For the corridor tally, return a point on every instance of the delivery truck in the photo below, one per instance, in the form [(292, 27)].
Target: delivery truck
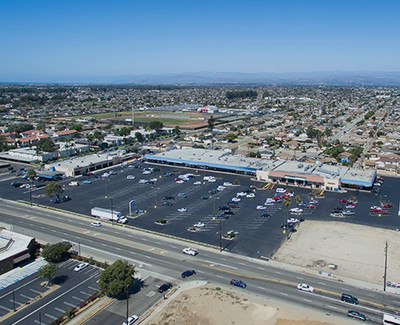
[(107, 214)]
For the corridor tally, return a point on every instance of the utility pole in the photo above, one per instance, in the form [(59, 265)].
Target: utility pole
[(127, 304), (385, 270), (220, 235)]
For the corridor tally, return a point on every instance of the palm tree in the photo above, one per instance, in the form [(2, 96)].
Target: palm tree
[(297, 199), (286, 202)]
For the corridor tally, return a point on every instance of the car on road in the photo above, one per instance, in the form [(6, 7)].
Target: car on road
[(182, 210), (261, 207), (356, 315), (190, 251), (349, 298), (188, 273), (222, 216), (199, 225), (296, 210), (96, 224), (164, 287), (131, 320), (238, 283), (305, 287), (81, 266)]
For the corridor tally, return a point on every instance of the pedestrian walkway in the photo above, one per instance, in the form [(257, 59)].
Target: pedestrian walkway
[(20, 273)]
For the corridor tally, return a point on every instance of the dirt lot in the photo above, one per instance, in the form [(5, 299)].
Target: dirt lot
[(353, 249), (357, 251), (211, 305)]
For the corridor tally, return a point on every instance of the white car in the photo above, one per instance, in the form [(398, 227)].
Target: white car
[(261, 207), (153, 180), (81, 266), (146, 172), (221, 188), (199, 225), (142, 181), (180, 182), (305, 287), (212, 180), (292, 220), (131, 320), (96, 224), (105, 175), (296, 210), (250, 195), (280, 190), (241, 194), (182, 210), (235, 199), (197, 183), (130, 177), (190, 251), (226, 184)]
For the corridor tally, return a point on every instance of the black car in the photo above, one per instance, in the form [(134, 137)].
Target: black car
[(164, 287), (60, 199), (349, 298), (204, 197), (223, 208), (222, 216), (265, 215), (167, 203), (169, 198), (356, 315), (230, 212), (188, 273), (16, 184)]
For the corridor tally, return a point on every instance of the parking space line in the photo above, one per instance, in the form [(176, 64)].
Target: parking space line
[(62, 311), (50, 316), (69, 304), (36, 291), (85, 293), (91, 288), (17, 302), (26, 297), (5, 308), (76, 298)]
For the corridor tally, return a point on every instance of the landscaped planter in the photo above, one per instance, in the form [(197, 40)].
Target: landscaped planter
[(161, 222)]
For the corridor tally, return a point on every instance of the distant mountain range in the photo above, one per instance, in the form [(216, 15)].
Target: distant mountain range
[(311, 78), (230, 78)]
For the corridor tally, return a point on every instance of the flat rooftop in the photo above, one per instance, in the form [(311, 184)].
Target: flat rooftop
[(12, 243)]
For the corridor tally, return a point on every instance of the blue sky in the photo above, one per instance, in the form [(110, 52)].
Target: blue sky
[(52, 39)]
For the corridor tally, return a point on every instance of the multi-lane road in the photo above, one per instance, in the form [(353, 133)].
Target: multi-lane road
[(163, 256)]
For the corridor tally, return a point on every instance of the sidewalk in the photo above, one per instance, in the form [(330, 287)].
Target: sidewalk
[(20, 273)]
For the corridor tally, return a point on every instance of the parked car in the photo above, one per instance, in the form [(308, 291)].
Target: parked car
[(182, 210), (190, 251), (199, 225), (164, 287), (356, 315), (205, 197), (296, 210), (388, 205), (222, 216), (293, 220), (188, 273), (280, 190), (238, 283), (350, 206), (375, 209), (342, 201), (261, 207), (265, 215), (87, 181), (167, 203), (131, 320), (311, 206), (81, 266), (236, 199), (303, 204), (169, 198), (348, 213), (305, 287), (130, 177)]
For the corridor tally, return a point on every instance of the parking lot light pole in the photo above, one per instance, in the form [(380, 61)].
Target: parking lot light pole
[(14, 299), (112, 211), (220, 235)]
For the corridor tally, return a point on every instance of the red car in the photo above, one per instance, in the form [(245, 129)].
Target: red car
[(376, 209), (351, 203), (388, 205), (342, 201), (311, 206), (276, 198), (383, 212), (284, 196)]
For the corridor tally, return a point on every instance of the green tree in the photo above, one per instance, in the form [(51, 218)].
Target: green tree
[(54, 253), (286, 202), (177, 130), (230, 137), (117, 278), (77, 127), (124, 131), (48, 271), (53, 189), (139, 137), (211, 123), (297, 199), (46, 144), (156, 125), (97, 135)]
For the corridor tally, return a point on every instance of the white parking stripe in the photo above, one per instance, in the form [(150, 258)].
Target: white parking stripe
[(51, 316)]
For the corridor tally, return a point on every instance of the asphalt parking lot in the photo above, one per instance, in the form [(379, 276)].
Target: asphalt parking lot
[(256, 235), (75, 287)]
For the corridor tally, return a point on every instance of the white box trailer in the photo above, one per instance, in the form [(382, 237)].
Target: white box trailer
[(107, 214)]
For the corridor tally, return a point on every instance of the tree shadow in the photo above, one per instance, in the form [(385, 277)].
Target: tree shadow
[(133, 289), (61, 279)]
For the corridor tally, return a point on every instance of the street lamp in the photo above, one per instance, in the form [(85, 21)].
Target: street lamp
[(112, 210)]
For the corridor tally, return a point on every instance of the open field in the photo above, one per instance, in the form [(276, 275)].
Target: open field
[(210, 305), (356, 250)]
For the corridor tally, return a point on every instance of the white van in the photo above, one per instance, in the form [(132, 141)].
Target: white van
[(280, 190)]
